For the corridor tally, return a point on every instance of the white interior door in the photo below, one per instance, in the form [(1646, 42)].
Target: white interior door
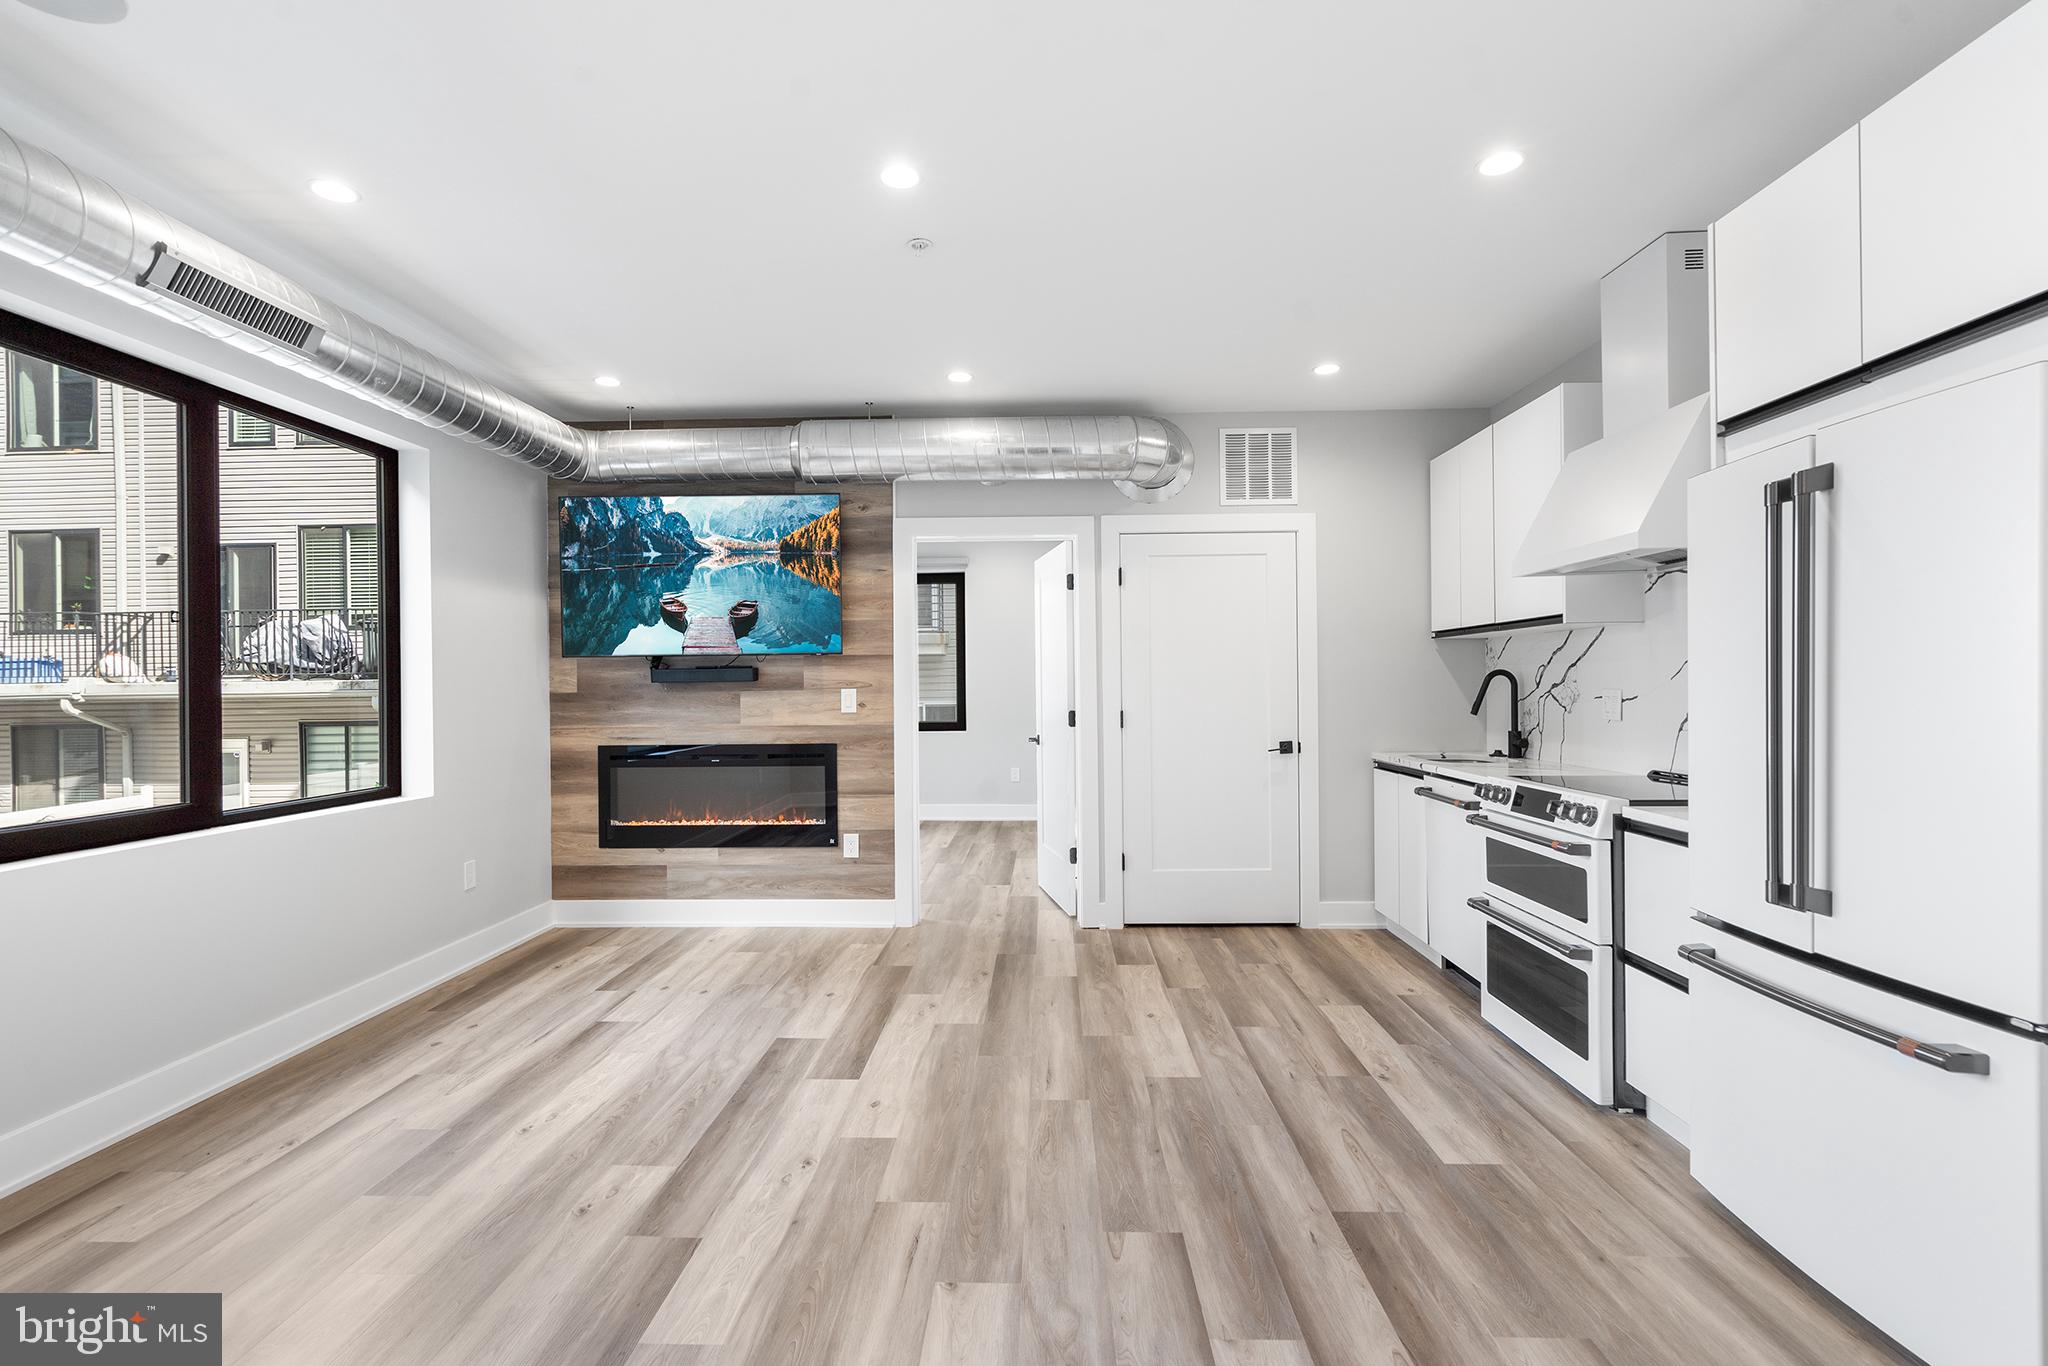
[(1211, 712), (1053, 631)]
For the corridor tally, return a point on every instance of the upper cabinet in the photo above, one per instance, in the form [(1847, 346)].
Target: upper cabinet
[(1461, 534), (1927, 216), (1955, 201), (1484, 494), (1787, 282), (1529, 447)]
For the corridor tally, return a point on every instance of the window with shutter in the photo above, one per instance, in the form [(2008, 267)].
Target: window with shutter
[(247, 429), (941, 652), (339, 571), (57, 766)]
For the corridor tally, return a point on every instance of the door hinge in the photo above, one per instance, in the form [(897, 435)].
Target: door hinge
[(1119, 576), (1070, 716), (1124, 862), (1073, 854), (1070, 583), (1119, 720)]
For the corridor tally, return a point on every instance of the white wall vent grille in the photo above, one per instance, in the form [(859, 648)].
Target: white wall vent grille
[(1258, 465)]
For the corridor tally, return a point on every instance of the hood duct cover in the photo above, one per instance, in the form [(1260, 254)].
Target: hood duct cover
[(1620, 502), (84, 229)]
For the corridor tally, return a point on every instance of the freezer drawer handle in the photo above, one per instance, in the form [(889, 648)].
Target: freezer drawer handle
[(1563, 948), (1561, 846), (1436, 796), (1947, 1057)]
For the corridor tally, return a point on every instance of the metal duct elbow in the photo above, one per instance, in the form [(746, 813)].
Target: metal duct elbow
[(86, 230)]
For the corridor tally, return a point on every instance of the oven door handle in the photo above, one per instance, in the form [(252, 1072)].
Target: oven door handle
[(1948, 1057), (1560, 846), (1563, 948), (1462, 803)]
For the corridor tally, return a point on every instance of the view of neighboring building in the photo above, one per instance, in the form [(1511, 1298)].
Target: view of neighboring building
[(90, 584)]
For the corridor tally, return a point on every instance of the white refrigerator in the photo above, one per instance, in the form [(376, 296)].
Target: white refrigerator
[(1870, 966)]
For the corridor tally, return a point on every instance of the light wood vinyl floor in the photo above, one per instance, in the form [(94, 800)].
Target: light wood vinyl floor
[(990, 1139)]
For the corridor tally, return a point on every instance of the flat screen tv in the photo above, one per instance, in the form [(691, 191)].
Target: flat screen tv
[(701, 575)]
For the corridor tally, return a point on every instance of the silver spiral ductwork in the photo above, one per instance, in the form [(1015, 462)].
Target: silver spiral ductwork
[(84, 229)]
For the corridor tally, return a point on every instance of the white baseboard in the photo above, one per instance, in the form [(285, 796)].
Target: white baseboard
[(972, 811), (1344, 915), (719, 914), (45, 1145)]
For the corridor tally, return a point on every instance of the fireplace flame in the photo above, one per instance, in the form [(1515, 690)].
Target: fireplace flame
[(675, 816)]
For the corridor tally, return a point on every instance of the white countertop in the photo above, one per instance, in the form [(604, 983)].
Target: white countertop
[(1479, 768)]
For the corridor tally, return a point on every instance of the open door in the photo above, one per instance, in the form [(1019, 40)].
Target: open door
[(1053, 628)]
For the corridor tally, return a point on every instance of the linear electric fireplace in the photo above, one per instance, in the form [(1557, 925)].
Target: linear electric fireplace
[(717, 796)]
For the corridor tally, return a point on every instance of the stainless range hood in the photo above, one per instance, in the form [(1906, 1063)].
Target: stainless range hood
[(1619, 503)]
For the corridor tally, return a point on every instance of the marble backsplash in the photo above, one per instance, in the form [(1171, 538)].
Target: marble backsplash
[(1561, 672)]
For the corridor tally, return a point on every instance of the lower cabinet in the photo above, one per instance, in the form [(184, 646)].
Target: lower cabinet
[(1456, 870), (1657, 1048), (1414, 900), (1400, 880), (1386, 843)]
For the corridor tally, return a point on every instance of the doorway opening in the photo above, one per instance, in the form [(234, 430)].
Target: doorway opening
[(996, 690)]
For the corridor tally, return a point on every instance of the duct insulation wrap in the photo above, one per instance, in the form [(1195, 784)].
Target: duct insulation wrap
[(84, 229)]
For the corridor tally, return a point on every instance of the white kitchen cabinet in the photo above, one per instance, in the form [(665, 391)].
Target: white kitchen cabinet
[(1656, 1019), (1955, 208), (1386, 843), (1445, 611), (1455, 869), (1461, 535), (1529, 447), (1413, 899), (1913, 1193), (1788, 283)]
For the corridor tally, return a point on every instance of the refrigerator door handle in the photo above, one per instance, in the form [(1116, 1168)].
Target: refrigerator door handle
[(1947, 1057), (1777, 888), (1806, 486)]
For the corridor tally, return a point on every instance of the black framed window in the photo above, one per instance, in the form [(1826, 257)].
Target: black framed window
[(56, 766), (942, 651), (54, 579), (50, 406), (153, 574)]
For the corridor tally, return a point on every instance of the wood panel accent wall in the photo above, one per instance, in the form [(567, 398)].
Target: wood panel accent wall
[(596, 702)]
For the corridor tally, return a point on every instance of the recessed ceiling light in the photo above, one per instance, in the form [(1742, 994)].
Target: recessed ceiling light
[(1501, 162), (899, 175), (1328, 367), (338, 191), (958, 376), (607, 381)]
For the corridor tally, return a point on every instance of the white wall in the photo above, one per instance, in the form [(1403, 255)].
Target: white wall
[(134, 979), (971, 768), (1384, 683)]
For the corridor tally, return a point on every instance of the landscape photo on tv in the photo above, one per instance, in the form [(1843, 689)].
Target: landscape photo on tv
[(701, 575)]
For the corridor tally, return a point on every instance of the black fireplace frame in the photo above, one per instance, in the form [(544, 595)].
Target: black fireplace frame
[(717, 837)]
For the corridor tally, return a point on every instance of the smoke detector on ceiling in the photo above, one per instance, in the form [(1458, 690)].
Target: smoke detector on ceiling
[(919, 245)]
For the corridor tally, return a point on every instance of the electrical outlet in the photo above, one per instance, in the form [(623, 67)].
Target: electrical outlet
[(469, 876), (1610, 703), (849, 702), (1016, 775), (849, 844)]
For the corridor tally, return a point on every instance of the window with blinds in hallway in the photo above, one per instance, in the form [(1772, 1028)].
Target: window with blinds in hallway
[(942, 652)]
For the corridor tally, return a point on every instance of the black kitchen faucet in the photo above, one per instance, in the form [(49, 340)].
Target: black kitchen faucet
[(1517, 746)]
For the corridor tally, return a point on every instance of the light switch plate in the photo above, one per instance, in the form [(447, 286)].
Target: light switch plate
[(469, 875), (849, 845), (1016, 775), (849, 700), (1610, 703)]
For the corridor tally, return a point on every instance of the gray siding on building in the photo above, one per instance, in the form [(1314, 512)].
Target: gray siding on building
[(267, 494), (152, 723)]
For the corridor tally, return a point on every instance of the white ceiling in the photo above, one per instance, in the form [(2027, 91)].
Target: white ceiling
[(1143, 206)]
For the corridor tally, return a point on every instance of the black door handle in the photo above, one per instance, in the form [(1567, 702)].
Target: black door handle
[(1034, 739), (1284, 747)]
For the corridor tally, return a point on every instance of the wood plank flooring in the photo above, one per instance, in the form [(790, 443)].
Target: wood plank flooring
[(990, 1139)]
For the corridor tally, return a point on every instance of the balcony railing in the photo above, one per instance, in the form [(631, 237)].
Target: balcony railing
[(49, 647)]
